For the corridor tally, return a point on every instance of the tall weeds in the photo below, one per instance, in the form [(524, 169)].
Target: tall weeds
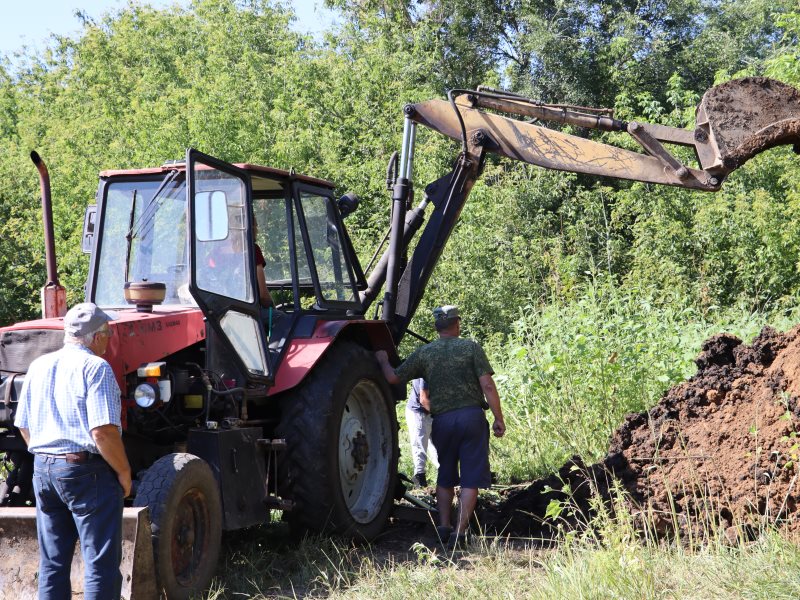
[(570, 372)]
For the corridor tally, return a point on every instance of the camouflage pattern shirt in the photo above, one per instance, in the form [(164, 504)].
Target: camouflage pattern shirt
[(451, 366)]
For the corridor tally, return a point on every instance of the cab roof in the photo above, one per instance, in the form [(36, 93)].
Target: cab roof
[(256, 171)]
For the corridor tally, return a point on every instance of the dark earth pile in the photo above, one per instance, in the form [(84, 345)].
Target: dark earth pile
[(721, 448)]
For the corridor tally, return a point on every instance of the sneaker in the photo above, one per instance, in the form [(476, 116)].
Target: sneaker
[(457, 541), (444, 532), (419, 480)]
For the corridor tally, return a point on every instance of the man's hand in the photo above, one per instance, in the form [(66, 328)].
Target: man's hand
[(109, 442), (125, 481), (425, 400), (26, 435), (386, 367), (499, 428), (493, 398)]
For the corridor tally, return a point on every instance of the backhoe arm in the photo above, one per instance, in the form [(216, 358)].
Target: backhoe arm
[(553, 149), (734, 122)]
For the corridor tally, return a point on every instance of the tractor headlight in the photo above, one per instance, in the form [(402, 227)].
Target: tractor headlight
[(146, 395)]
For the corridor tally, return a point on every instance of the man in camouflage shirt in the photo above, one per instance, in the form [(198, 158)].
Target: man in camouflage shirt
[(460, 385)]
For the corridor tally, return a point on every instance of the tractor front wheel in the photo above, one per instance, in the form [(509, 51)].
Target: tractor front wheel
[(341, 433), (186, 520)]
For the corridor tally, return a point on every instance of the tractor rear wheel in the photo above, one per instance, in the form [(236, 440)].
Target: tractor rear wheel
[(186, 520), (341, 434)]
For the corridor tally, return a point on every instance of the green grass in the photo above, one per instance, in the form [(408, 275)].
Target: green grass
[(766, 570), (615, 564)]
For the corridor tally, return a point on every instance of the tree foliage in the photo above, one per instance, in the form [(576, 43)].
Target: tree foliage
[(233, 79)]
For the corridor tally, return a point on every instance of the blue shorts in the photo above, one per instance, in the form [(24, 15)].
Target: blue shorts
[(461, 439)]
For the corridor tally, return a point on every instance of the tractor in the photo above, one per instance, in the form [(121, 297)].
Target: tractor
[(233, 407)]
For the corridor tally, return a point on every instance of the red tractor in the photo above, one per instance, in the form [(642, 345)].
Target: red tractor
[(232, 409)]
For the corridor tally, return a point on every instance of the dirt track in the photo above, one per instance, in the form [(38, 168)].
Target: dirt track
[(722, 447)]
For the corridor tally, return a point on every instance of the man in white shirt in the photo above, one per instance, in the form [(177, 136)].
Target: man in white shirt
[(69, 415)]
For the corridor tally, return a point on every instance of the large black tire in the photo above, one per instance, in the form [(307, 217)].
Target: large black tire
[(186, 519), (340, 428)]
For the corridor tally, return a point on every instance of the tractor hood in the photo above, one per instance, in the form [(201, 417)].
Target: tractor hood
[(137, 338)]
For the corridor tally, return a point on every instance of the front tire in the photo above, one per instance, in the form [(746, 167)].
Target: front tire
[(186, 520), (341, 433)]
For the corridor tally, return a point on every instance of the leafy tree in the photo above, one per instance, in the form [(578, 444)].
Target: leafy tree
[(138, 86)]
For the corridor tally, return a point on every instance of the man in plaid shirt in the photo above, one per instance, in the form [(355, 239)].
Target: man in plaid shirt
[(69, 415)]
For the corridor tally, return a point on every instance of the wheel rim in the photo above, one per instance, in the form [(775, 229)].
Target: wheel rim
[(365, 451), (190, 536)]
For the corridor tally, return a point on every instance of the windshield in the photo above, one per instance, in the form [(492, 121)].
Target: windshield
[(144, 239)]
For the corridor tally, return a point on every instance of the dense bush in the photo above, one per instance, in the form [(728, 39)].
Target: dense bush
[(231, 78)]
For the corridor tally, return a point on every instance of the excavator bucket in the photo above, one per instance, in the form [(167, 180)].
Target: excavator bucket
[(19, 556), (744, 117)]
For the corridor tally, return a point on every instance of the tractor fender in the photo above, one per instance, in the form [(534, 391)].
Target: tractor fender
[(304, 353)]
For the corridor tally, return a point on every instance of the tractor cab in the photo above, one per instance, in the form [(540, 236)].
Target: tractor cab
[(191, 235)]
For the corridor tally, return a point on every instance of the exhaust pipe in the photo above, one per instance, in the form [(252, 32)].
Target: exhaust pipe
[(53, 294)]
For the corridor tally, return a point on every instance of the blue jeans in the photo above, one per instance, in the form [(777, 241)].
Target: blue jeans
[(78, 501)]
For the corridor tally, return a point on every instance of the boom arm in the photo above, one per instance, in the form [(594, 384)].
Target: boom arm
[(735, 121)]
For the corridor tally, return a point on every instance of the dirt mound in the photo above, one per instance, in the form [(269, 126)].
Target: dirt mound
[(722, 446)]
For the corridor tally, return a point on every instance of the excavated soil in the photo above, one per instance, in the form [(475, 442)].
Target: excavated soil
[(750, 115), (719, 452)]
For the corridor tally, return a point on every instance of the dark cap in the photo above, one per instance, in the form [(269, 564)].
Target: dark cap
[(86, 318)]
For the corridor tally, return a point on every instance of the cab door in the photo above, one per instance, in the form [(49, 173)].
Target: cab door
[(223, 277)]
